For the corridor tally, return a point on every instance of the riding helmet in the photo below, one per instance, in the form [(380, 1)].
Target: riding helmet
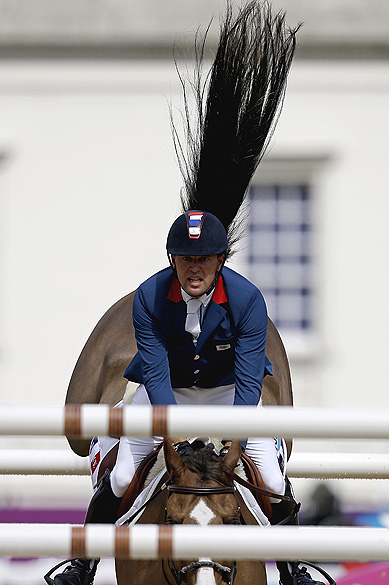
[(197, 233)]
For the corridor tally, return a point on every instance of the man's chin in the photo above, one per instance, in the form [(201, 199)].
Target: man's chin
[(195, 290)]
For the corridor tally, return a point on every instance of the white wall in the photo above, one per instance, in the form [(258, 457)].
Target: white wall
[(90, 187), (342, 111)]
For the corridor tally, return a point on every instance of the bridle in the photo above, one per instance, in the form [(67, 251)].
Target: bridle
[(228, 573), (200, 490)]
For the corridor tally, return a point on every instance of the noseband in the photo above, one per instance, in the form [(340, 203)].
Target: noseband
[(227, 573)]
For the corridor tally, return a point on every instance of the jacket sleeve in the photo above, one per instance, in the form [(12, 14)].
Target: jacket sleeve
[(153, 353), (250, 351)]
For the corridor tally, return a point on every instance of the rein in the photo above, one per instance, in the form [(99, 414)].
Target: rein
[(262, 491), (161, 489)]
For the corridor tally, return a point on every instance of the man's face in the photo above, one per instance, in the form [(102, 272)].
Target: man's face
[(197, 273)]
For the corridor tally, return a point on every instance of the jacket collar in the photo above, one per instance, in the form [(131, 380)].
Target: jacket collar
[(219, 296)]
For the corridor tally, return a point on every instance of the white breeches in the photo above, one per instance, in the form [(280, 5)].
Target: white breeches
[(132, 450)]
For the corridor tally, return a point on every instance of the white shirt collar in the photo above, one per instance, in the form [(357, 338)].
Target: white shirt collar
[(205, 299)]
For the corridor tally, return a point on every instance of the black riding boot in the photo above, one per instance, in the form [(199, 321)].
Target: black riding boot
[(79, 572), (286, 513), (103, 509), (292, 574)]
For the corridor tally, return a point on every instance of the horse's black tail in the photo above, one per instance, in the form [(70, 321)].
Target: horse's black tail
[(237, 106)]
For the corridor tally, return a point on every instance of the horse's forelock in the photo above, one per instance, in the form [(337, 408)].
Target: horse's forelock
[(208, 466)]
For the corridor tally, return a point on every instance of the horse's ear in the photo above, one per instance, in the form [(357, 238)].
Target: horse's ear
[(174, 464), (234, 452)]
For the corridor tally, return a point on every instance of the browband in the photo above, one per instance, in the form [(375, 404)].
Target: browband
[(200, 490)]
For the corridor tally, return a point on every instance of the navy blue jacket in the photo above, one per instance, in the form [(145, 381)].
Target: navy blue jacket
[(230, 348)]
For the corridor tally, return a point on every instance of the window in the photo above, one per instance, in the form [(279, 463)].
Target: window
[(280, 259)]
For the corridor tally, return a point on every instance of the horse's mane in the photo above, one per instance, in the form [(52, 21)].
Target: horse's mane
[(209, 466)]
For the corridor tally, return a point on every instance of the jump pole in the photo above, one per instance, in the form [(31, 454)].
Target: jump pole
[(302, 465), (88, 420), (188, 542)]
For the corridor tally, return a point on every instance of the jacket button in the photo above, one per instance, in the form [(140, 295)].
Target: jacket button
[(196, 372), (196, 357)]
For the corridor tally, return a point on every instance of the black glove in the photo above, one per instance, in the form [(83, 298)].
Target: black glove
[(184, 449), (224, 449), (223, 452)]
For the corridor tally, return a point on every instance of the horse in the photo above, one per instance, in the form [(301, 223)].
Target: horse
[(97, 377), (200, 492)]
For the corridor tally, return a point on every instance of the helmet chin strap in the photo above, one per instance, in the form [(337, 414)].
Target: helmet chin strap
[(169, 257), (208, 292)]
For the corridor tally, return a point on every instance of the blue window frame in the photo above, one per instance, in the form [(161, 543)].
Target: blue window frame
[(280, 258)]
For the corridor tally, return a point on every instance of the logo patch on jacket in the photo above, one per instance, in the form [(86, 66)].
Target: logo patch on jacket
[(223, 347)]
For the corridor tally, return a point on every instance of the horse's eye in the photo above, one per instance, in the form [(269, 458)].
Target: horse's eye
[(173, 521), (232, 520)]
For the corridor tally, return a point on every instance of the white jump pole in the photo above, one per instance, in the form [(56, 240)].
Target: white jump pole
[(88, 420), (150, 541), (338, 465), (42, 462), (301, 465)]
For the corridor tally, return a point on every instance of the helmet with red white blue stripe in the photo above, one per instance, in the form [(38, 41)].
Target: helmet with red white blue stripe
[(197, 233)]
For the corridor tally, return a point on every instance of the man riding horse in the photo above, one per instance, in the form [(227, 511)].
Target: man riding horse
[(201, 327), (213, 353)]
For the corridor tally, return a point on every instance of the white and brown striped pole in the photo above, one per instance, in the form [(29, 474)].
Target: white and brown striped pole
[(151, 542), (89, 541), (152, 420), (89, 420)]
